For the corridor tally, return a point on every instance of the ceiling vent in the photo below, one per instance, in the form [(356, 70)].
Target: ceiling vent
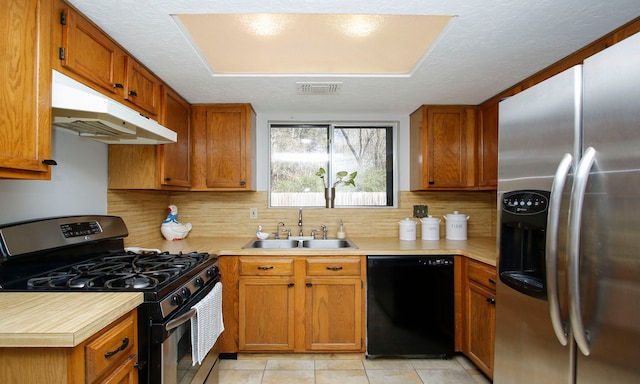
[(318, 88)]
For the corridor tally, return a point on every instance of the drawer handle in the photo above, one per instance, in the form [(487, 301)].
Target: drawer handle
[(491, 301), (492, 281), (133, 93), (265, 268), (125, 343), (334, 268)]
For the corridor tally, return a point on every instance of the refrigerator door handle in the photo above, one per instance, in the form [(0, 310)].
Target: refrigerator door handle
[(551, 251), (573, 245)]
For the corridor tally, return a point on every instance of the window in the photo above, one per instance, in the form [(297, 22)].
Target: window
[(298, 151)]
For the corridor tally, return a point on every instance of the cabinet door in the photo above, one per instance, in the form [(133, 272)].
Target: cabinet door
[(266, 314), (223, 147), (443, 148), (141, 87), (175, 158), (488, 147), (127, 373), (480, 326), (334, 314), (25, 106), (90, 53)]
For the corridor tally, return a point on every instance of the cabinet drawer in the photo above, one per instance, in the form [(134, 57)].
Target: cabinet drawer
[(110, 348), (333, 267), (482, 273), (266, 267)]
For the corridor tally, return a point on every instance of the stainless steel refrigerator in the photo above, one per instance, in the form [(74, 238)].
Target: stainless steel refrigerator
[(568, 295)]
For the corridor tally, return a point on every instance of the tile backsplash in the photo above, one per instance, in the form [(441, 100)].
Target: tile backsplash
[(226, 214)]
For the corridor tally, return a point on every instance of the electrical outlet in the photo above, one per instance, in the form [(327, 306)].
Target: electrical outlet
[(253, 213)]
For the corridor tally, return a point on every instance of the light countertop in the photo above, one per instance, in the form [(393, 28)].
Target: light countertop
[(59, 319), (66, 319), (482, 249)]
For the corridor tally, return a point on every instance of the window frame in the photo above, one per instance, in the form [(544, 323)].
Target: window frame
[(331, 126)]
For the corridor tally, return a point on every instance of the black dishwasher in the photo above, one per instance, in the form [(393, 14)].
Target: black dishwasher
[(410, 306)]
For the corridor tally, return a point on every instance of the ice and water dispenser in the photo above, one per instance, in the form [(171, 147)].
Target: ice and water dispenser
[(522, 241)]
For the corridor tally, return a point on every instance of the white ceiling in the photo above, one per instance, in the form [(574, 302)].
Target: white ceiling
[(487, 47)]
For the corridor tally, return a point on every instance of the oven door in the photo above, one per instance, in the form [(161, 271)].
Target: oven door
[(174, 350)]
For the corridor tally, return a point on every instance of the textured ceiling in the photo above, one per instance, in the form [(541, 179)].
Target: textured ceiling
[(487, 47)]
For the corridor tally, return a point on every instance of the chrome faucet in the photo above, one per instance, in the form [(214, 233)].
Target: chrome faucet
[(324, 231), (277, 232), (300, 222)]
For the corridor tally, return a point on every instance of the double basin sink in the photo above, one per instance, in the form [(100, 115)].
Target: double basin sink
[(300, 244)]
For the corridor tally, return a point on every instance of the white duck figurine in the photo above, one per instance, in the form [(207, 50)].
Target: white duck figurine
[(171, 229)]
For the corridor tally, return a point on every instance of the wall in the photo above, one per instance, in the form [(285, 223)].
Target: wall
[(227, 213), (78, 183)]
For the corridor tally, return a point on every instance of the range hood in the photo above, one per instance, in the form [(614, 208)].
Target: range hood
[(94, 115)]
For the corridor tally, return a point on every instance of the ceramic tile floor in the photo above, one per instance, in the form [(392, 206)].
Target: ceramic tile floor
[(346, 369)]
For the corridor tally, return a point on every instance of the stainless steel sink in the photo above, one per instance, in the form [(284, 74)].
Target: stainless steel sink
[(328, 244), (272, 244), (300, 244)]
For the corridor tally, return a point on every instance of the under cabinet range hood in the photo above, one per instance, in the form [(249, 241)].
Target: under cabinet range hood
[(94, 115)]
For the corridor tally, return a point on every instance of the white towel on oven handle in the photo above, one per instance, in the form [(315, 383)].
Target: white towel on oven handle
[(207, 324)]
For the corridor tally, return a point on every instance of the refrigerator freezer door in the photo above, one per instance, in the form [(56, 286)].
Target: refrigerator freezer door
[(537, 128), (610, 241)]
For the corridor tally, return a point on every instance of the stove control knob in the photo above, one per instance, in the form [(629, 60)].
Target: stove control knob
[(176, 299), (213, 272), (186, 293), (198, 282)]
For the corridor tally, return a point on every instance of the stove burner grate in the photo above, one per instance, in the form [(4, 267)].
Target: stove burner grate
[(123, 271)]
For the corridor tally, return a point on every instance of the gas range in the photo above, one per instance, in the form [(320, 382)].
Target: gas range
[(87, 254)]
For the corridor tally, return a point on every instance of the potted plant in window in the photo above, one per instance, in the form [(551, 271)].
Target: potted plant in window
[(343, 177)]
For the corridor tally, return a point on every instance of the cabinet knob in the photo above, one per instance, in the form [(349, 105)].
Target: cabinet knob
[(491, 301), (49, 162), (431, 182), (243, 183), (492, 281), (167, 179), (133, 93), (118, 85)]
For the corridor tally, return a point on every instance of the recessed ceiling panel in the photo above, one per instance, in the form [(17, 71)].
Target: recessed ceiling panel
[(312, 43)]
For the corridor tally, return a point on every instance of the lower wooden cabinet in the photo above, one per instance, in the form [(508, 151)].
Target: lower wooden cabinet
[(266, 304), (333, 299), (293, 304), (479, 313), (108, 357)]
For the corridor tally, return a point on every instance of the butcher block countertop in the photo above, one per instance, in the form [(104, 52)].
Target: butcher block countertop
[(482, 249), (59, 319)]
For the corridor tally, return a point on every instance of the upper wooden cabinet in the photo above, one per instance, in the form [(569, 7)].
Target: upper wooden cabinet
[(25, 102), (165, 166), (223, 147), (142, 88), (93, 57), (488, 146), (89, 53), (175, 165), (443, 148)]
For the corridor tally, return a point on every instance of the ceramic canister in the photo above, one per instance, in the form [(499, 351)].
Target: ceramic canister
[(407, 229), (430, 228), (456, 228)]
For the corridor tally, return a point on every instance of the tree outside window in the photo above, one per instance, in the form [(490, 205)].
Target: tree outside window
[(298, 151)]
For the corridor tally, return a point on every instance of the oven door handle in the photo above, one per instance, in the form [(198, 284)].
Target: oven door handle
[(175, 323)]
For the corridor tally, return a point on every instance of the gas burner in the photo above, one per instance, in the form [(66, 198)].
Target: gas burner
[(132, 281)]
